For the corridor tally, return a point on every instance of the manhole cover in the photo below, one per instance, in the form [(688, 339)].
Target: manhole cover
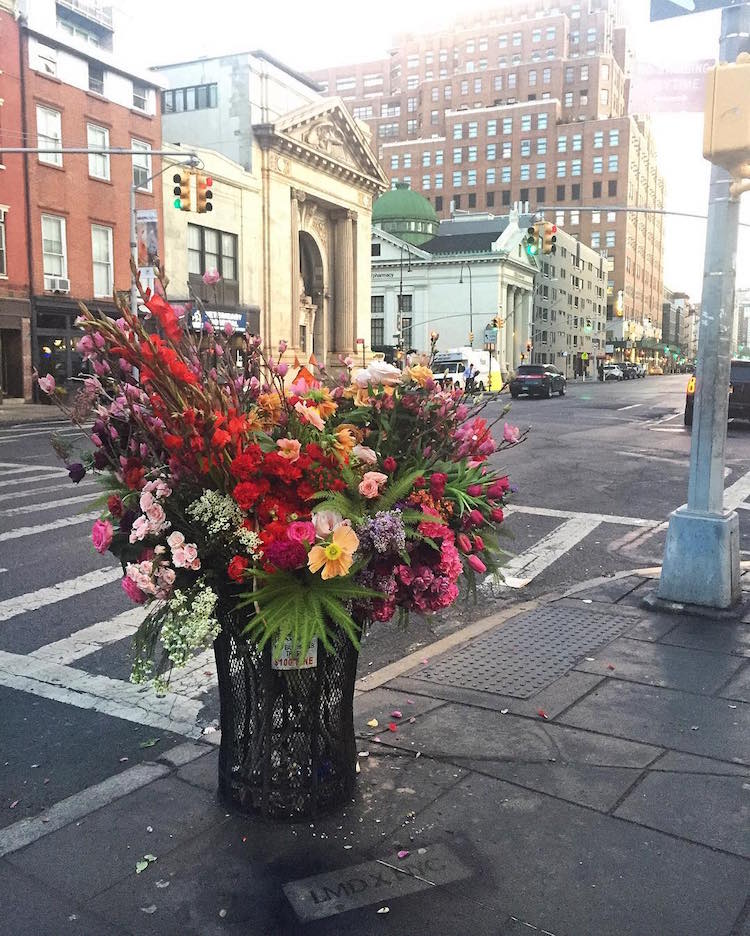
[(528, 652)]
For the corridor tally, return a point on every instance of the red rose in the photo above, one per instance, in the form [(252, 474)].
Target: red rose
[(497, 514), (236, 568), (134, 478), (114, 505), (389, 464)]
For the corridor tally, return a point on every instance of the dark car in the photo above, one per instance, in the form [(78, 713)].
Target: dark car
[(538, 380), (739, 393)]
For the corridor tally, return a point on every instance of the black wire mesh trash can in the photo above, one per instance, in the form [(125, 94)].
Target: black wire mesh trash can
[(287, 737)]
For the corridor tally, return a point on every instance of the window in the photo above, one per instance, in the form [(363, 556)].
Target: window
[(101, 255), (458, 154), (447, 92), (541, 170), (471, 177), (516, 38), (532, 77), (507, 149), (511, 80), (507, 125), (591, 35), (569, 74), (438, 182), (490, 176), (525, 147), (54, 252), (472, 154), (3, 258), (394, 162), (49, 134), (605, 71), (498, 83), (426, 158), (491, 151), (502, 42), (536, 35), (597, 164), (491, 128), (604, 97), (562, 144), (575, 167), (598, 139), (140, 95), (473, 128), (389, 109), (374, 250), (568, 99), (387, 130), (490, 199), (458, 131), (523, 194), (411, 126), (525, 172), (406, 324), (377, 328), (193, 97), (612, 163), (141, 165), (373, 81), (412, 82), (561, 168), (407, 160), (435, 117), (575, 217), (596, 190), (426, 181), (547, 76), (614, 137), (506, 197), (540, 194), (98, 138), (362, 113), (438, 157), (612, 187), (96, 78), (584, 73), (477, 86), (609, 239), (575, 191), (46, 59), (577, 141), (541, 122), (346, 84), (210, 249), (560, 193), (464, 87), (506, 175), (596, 217), (596, 239), (525, 122), (550, 34), (458, 178)]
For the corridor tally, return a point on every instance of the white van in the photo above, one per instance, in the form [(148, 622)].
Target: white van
[(449, 369)]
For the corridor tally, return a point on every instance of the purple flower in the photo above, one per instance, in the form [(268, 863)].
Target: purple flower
[(101, 460), (384, 532), (76, 472)]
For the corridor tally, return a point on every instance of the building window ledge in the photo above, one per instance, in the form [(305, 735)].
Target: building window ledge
[(140, 113), (53, 78), (94, 178), (97, 96)]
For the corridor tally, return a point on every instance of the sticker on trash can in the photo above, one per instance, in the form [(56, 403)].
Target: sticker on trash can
[(288, 659)]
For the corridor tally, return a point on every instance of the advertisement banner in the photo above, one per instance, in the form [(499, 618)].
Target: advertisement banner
[(147, 239)]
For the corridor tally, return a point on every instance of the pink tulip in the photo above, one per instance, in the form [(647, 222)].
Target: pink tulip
[(476, 563), (47, 384), (101, 535)]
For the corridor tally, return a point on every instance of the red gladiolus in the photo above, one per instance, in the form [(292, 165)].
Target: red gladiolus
[(173, 442), (464, 543), (220, 438), (236, 568), (497, 514), (476, 563)]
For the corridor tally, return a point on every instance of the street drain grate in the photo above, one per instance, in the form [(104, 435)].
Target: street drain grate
[(528, 652)]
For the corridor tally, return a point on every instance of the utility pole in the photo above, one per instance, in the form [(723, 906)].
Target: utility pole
[(701, 555)]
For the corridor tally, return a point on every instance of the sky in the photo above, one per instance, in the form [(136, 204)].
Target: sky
[(308, 35)]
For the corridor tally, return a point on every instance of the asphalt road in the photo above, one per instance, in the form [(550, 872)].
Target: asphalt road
[(597, 477)]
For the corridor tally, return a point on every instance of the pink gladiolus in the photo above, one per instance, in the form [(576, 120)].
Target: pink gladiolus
[(132, 590), (511, 433), (211, 277), (476, 563), (101, 535)]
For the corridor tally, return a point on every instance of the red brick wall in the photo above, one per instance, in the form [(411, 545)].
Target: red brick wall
[(11, 177), (71, 193)]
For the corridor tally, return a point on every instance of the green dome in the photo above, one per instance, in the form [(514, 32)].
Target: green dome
[(407, 214)]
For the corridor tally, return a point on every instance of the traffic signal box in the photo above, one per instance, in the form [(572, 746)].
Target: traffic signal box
[(726, 128), (203, 193), (549, 238), (183, 197), (531, 241)]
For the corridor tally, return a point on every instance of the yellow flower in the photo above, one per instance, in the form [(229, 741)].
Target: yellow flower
[(347, 436), (420, 374), (335, 558)]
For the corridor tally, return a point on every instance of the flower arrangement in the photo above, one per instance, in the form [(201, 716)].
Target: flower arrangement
[(314, 501)]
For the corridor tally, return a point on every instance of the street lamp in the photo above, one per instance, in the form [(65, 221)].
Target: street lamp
[(466, 264)]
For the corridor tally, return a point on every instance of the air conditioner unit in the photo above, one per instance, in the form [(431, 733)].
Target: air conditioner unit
[(57, 284)]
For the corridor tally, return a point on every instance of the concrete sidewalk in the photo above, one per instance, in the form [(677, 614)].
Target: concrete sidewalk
[(14, 410), (581, 768)]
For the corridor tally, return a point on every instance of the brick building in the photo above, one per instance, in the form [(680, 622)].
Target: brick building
[(527, 103), (76, 229), (15, 315)]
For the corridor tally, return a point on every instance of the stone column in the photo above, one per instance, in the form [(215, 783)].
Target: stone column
[(297, 198), (518, 347), (508, 330), (344, 313), (527, 317)]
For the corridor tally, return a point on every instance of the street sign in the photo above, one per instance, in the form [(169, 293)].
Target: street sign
[(677, 88), (490, 336), (664, 9)]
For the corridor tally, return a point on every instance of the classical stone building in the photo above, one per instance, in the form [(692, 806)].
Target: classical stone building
[(301, 226)]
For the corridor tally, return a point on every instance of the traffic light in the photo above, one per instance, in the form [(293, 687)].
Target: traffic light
[(549, 240), (471, 338), (531, 241), (726, 129), (181, 181), (203, 193)]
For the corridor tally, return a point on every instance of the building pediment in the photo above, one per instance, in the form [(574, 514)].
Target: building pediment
[(325, 135)]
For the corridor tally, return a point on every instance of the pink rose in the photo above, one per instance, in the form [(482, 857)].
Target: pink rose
[(301, 531), (511, 433), (155, 514), (364, 454), (371, 483), (175, 540), (47, 384), (324, 522), (211, 277), (101, 535), (178, 557), (132, 590), (309, 414)]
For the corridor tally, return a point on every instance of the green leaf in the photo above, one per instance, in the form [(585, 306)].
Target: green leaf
[(149, 743)]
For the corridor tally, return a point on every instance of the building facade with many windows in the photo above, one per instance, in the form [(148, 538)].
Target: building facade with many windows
[(527, 103), (77, 93)]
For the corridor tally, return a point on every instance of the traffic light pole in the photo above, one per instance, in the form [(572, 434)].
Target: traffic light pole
[(701, 554)]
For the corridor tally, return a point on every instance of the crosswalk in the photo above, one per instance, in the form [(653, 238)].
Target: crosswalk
[(66, 626)]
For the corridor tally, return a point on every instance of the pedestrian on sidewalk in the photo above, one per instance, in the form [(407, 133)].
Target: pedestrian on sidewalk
[(469, 378)]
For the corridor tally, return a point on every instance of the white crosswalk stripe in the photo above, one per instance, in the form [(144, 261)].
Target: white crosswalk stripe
[(38, 528), (32, 601), (48, 505)]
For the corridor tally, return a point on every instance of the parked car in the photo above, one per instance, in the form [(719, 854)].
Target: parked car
[(739, 393), (642, 370), (538, 380), (613, 372), (655, 369), (630, 371)]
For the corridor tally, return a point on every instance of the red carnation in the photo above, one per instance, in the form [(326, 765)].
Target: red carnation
[(134, 478), (173, 442), (246, 493), (285, 554), (237, 567), (114, 505), (437, 484)]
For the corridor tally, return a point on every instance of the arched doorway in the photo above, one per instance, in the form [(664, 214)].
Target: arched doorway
[(312, 311)]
